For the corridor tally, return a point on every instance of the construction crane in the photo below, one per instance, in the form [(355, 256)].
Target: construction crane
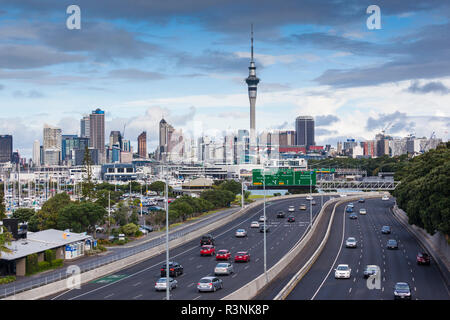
[(422, 150)]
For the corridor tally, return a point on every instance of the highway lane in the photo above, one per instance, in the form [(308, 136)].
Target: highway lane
[(137, 282), (395, 265)]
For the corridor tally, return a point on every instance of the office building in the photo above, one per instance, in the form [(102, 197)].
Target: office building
[(52, 145), (142, 145), (36, 153), (304, 131), (6, 147), (97, 133), (115, 138), (85, 127)]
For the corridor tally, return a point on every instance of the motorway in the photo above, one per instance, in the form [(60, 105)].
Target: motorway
[(137, 282), (399, 265)]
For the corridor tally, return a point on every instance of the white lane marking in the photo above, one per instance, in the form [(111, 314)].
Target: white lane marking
[(234, 275), (61, 295), (334, 262), (350, 290), (199, 266), (382, 289), (136, 284), (196, 298), (190, 285), (109, 295), (138, 296)]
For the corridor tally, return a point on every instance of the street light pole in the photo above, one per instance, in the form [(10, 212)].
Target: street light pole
[(242, 196), (265, 231), (310, 201), (167, 240)]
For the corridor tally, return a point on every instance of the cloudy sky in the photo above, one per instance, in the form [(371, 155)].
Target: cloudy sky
[(187, 61)]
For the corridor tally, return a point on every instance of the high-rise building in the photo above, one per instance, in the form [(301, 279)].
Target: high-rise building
[(52, 145), (165, 136), (36, 153), (6, 147), (85, 127), (97, 133), (142, 145), (252, 82), (70, 143), (304, 131), (287, 138), (115, 138)]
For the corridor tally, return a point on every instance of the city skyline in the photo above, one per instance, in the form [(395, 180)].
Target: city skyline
[(353, 81)]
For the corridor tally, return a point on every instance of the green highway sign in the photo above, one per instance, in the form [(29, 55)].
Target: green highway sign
[(283, 177)]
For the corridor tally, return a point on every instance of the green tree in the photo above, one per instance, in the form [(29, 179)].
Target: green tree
[(5, 239), (121, 214), (81, 217), (134, 217), (87, 185), (158, 186), (2, 204), (23, 214), (231, 185), (47, 217), (219, 198), (130, 229)]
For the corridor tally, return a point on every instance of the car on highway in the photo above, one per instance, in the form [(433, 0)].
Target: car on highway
[(370, 270), (402, 291), (362, 211), (342, 271), (254, 224), (362, 200), (343, 195), (175, 269), (261, 219), (240, 233), (209, 284), (313, 202), (146, 227), (207, 250), (291, 219), (161, 284), (309, 197), (423, 258), (349, 209), (207, 239), (223, 268), (281, 214), (223, 254), (385, 198), (385, 230), (242, 256), (291, 209), (302, 207), (353, 216), (392, 244), (261, 228), (351, 205), (351, 242)]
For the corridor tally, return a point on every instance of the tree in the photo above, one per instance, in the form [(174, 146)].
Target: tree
[(5, 239), (81, 217), (130, 229), (219, 198), (159, 186), (121, 215), (134, 217), (23, 214), (2, 204), (47, 217), (231, 185), (87, 185)]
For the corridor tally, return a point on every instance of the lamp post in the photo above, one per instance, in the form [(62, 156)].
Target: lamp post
[(167, 239), (310, 201), (265, 231)]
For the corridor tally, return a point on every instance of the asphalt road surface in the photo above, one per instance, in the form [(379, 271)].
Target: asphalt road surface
[(137, 282), (399, 265)]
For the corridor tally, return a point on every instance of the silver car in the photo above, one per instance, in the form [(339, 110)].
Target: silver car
[(223, 268), (241, 233), (161, 284), (351, 242), (209, 284)]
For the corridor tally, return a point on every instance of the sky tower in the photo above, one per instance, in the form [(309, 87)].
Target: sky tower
[(252, 82)]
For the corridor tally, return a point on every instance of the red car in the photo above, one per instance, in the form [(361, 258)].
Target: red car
[(207, 250), (242, 256), (223, 254), (423, 258)]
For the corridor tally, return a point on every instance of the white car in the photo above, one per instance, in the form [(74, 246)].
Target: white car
[(350, 205), (144, 231), (362, 211), (309, 197), (350, 242), (223, 268), (291, 209), (342, 271), (161, 284), (343, 195), (385, 198), (261, 219), (254, 224), (241, 233)]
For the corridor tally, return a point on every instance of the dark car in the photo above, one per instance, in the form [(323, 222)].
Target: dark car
[(392, 244), (207, 239), (362, 200), (386, 230), (353, 216), (261, 228), (146, 227), (175, 269), (423, 258), (370, 270), (291, 219), (280, 214), (402, 291), (349, 209)]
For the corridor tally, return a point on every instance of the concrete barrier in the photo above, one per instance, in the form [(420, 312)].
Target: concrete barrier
[(251, 289), (58, 286)]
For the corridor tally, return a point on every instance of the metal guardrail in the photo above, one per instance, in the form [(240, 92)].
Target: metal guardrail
[(359, 185)]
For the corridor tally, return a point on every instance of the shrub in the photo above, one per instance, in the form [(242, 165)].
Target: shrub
[(138, 233), (32, 264), (101, 248), (57, 263), (43, 265), (7, 279), (130, 229), (49, 255)]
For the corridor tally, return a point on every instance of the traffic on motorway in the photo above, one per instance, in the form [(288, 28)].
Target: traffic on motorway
[(215, 264)]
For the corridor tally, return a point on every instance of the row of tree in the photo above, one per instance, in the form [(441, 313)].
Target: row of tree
[(424, 191)]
